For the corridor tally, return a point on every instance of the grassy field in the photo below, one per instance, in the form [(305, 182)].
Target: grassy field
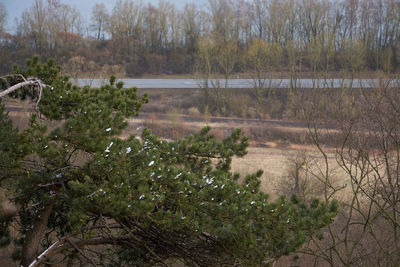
[(273, 161), (276, 164)]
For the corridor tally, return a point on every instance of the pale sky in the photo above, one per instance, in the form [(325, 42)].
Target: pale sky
[(16, 7)]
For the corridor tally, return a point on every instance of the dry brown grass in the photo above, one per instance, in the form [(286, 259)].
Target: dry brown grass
[(273, 160)]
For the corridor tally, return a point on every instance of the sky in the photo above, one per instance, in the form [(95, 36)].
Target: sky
[(16, 7)]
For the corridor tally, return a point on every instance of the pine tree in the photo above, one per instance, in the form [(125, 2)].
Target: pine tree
[(140, 201)]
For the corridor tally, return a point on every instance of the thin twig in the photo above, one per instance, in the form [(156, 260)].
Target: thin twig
[(143, 243), (14, 75), (81, 252)]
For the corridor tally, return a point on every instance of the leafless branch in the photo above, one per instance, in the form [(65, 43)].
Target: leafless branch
[(18, 86), (81, 252), (29, 82)]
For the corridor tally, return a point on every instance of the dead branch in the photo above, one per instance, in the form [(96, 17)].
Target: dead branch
[(18, 86), (29, 82), (81, 252), (65, 243)]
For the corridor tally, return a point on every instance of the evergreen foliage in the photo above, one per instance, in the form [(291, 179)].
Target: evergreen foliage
[(145, 199)]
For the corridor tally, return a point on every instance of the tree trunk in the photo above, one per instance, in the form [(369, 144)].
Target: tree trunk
[(35, 235)]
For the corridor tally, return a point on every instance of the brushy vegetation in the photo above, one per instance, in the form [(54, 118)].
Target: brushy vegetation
[(223, 36)]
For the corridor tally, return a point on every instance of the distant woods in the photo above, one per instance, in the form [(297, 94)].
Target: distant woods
[(224, 36)]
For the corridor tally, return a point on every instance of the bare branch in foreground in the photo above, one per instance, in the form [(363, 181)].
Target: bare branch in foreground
[(29, 82), (65, 243), (18, 86)]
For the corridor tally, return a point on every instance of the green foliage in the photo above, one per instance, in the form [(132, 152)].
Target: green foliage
[(178, 198)]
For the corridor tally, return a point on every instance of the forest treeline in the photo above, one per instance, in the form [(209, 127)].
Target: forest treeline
[(223, 36)]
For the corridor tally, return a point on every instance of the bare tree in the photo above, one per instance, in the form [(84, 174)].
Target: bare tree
[(365, 140), (259, 17), (126, 28), (222, 19), (69, 19), (192, 24), (3, 17), (99, 21), (174, 24), (263, 58), (298, 178), (33, 24)]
